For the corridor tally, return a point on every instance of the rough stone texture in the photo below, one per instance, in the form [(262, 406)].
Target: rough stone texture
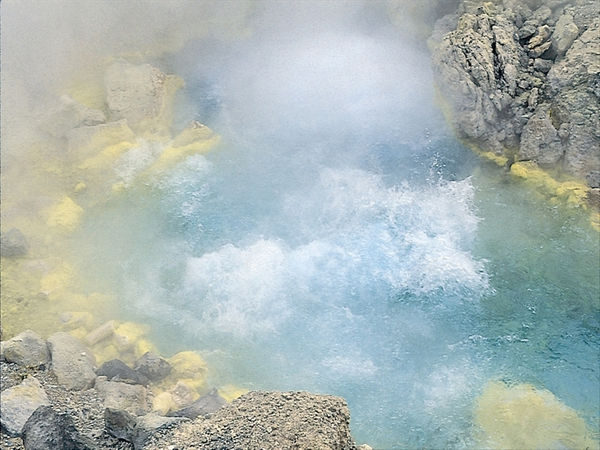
[(71, 114), (117, 370), (266, 420), (19, 403), (136, 430), (72, 363), (85, 408), (521, 79), (204, 406), (128, 397), (26, 349), (13, 244), (152, 366), (141, 94), (48, 430)]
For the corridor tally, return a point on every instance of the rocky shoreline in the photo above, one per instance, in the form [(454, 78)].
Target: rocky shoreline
[(520, 83), (54, 397)]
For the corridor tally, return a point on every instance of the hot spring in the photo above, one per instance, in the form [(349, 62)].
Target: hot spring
[(340, 240)]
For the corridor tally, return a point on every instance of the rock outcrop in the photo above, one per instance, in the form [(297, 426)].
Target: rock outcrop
[(267, 420), (522, 80)]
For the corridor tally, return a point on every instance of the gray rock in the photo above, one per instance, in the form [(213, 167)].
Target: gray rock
[(19, 403), (136, 430), (152, 366), (127, 397), (117, 370), (542, 34), (48, 430), (543, 65), (13, 244), (204, 406), (267, 420), (538, 51), (540, 141), (26, 349), (72, 362), (565, 33)]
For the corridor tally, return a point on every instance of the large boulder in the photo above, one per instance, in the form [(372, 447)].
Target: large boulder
[(267, 420), (26, 349), (19, 403), (48, 430), (72, 362)]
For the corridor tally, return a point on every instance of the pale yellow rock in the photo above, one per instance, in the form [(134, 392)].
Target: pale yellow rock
[(65, 214), (105, 353), (88, 142), (80, 187), (143, 346), (230, 392), (183, 394), (523, 417), (103, 332), (78, 333), (59, 280), (163, 403), (71, 320), (127, 334), (195, 139), (107, 157), (187, 364)]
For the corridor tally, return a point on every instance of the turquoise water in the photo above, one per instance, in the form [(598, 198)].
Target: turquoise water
[(341, 241)]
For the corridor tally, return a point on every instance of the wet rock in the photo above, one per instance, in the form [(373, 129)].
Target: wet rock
[(72, 362), (19, 403), (267, 420), (152, 366), (117, 370), (13, 244), (26, 349), (48, 430), (136, 430), (204, 406), (123, 396)]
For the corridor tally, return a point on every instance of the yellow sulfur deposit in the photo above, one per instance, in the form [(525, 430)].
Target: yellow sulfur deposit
[(105, 353), (196, 138), (107, 157), (58, 281), (573, 192), (230, 392), (76, 319), (163, 403), (522, 417), (143, 346), (65, 214), (127, 334), (187, 364)]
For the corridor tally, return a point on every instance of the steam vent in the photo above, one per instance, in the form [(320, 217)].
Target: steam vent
[(316, 224)]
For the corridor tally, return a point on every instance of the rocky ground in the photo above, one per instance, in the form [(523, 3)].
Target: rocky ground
[(53, 396), (521, 80)]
